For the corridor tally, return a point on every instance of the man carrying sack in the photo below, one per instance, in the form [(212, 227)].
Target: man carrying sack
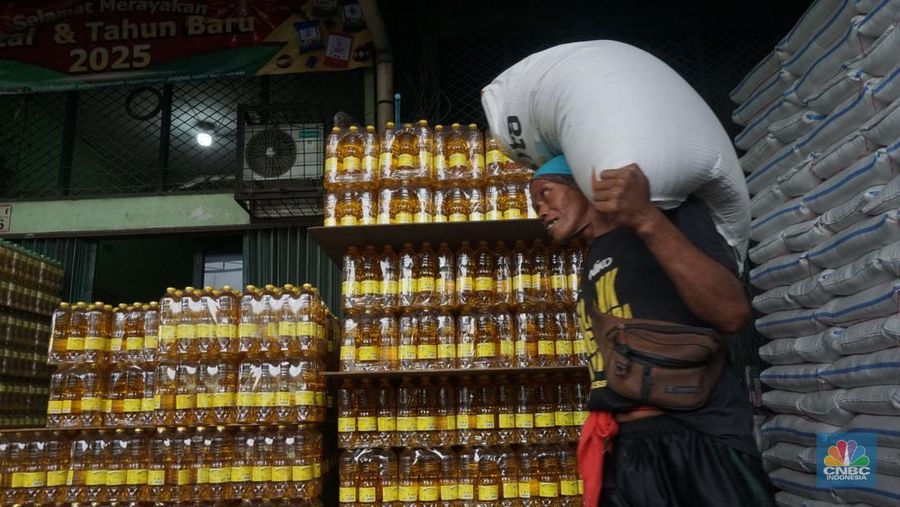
[(670, 423)]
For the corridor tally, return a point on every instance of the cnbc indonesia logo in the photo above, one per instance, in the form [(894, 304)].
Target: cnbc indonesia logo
[(846, 461)]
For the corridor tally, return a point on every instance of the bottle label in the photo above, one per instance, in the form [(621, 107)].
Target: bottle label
[(422, 217), (219, 400), (184, 477), (203, 475), (95, 343), (504, 286), (331, 166), (247, 329), (370, 286), (484, 421), (403, 218), (426, 423), (367, 495), (246, 399), (512, 214), (226, 331), (301, 473), (387, 423), (464, 284), (563, 348), (406, 160), (568, 487), (484, 283), (351, 163), (485, 350), (563, 418), (446, 350), (384, 218), (240, 474), (465, 350), (366, 423), (75, 343), (347, 494), (261, 473), (131, 405), (524, 421), (167, 332), (493, 157), (446, 422), (546, 348), (458, 160), (388, 494), (265, 399), (538, 280), (205, 330), (464, 422), (304, 398), (368, 353), (426, 351), (107, 405), (458, 217), (204, 400), (54, 407), (348, 353), (408, 493), (405, 423), (488, 492), (272, 329), (385, 160), (284, 399), (506, 348), (579, 348), (522, 282), (506, 421), (133, 343), (185, 401), (29, 479), (524, 490), (510, 490), (579, 417), (407, 352), (116, 477), (95, 478), (186, 332), (287, 329), (57, 478), (346, 424), (156, 477), (477, 161), (389, 287), (348, 220), (465, 492), (424, 284), (349, 288), (91, 404), (548, 489), (544, 420), (449, 492), (136, 476)]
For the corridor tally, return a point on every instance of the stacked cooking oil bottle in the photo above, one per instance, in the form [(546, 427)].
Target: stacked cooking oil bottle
[(29, 288), (416, 175), (477, 438), (169, 378)]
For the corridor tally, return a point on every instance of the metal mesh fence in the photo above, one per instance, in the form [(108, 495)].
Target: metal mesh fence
[(143, 139)]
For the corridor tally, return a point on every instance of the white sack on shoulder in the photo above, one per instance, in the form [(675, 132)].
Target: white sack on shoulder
[(640, 111)]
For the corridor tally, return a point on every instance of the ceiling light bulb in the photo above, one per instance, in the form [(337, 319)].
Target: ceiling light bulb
[(204, 139)]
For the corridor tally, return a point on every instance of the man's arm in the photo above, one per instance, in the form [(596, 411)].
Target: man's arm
[(709, 290)]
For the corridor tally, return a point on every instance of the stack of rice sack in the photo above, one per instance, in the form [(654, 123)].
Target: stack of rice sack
[(821, 117)]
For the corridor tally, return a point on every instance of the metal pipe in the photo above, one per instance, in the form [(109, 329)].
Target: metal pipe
[(384, 63)]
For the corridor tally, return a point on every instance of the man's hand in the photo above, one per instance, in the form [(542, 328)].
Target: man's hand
[(623, 197)]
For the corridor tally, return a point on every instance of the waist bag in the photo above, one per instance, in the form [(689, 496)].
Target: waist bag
[(662, 364)]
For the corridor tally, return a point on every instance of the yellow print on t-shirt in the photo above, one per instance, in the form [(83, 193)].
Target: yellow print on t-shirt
[(607, 303)]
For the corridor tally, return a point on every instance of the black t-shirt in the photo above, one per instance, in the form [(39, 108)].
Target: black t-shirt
[(624, 279)]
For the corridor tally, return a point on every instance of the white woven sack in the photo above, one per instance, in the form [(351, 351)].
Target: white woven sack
[(851, 244), (888, 198), (768, 249), (828, 63), (774, 300), (774, 167), (870, 270), (822, 23), (888, 89), (782, 402), (883, 15), (799, 179), (884, 427), (789, 323), (884, 494), (780, 351), (796, 429), (806, 235), (873, 369), (792, 212), (873, 400), (826, 406), (782, 270), (755, 78), (760, 101), (865, 6), (869, 336), (872, 169), (851, 212), (846, 117), (767, 200), (759, 153), (798, 124), (803, 484), (756, 131), (784, 454), (785, 499), (816, 348), (881, 57), (888, 459), (841, 154), (883, 128), (876, 302), (640, 111), (798, 378), (839, 88), (809, 292)]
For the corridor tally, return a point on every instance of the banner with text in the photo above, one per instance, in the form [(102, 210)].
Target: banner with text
[(71, 44)]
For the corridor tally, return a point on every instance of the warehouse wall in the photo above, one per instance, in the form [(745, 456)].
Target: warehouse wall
[(78, 256)]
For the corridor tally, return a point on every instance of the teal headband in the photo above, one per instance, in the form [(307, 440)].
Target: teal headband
[(556, 165)]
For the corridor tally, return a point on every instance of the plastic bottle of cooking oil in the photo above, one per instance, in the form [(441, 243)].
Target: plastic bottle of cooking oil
[(348, 209), (506, 410), (389, 332), (90, 391), (529, 493), (456, 153), (522, 272), (386, 413), (370, 278), (368, 342), (565, 409), (216, 380), (476, 204), (407, 479), (387, 159), (351, 274), (332, 163), (568, 476), (387, 265), (76, 334), (426, 339), (487, 342), (308, 325), (370, 160), (512, 202), (346, 407), (429, 474), (96, 467), (467, 474), (485, 283), (465, 275), (524, 410), (164, 393), (545, 410), (494, 158), (365, 396), (547, 337), (59, 333), (456, 204), (216, 467), (406, 349), (426, 413), (439, 168), (425, 153), (466, 330), (248, 328), (226, 321), (559, 284), (241, 466), (149, 353), (185, 394), (466, 422), (329, 209), (562, 321), (540, 274), (95, 340), (168, 325), (116, 475), (136, 466), (267, 390), (347, 479), (580, 395), (186, 333), (406, 150), (574, 261), (445, 280), (125, 396), (428, 274), (261, 467), (406, 414), (492, 202), (408, 274), (489, 484), (506, 335), (443, 408), (548, 471), (350, 155), (446, 339), (484, 402), (56, 466), (475, 140)]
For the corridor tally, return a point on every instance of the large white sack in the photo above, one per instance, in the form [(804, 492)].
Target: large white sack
[(606, 105), (792, 212), (851, 212), (845, 118), (883, 15), (809, 291), (883, 128), (816, 348), (823, 22), (888, 197), (782, 402), (767, 249), (873, 400), (774, 300), (882, 55), (756, 129), (803, 484), (795, 429), (799, 179), (780, 351), (759, 153), (837, 90), (885, 493), (851, 244), (876, 302), (789, 323), (826, 406), (888, 89), (873, 369), (785, 499), (782, 271), (799, 378), (870, 270), (841, 154), (762, 99), (767, 200), (884, 427), (865, 6), (828, 63), (888, 459), (774, 167), (801, 237), (869, 336), (785, 454), (798, 124), (870, 170), (755, 78)]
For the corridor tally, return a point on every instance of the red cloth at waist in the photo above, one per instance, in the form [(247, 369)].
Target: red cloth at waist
[(596, 434)]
